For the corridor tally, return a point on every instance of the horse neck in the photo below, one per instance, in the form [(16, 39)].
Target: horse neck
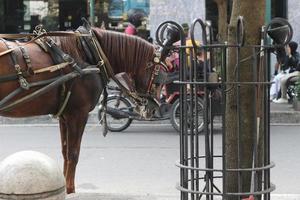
[(127, 54)]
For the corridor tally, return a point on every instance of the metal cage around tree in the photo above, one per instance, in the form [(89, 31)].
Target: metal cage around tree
[(203, 157)]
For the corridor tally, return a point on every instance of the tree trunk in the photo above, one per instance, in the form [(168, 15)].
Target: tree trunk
[(254, 15), (222, 20)]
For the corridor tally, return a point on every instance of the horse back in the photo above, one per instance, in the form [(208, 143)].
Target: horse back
[(49, 102)]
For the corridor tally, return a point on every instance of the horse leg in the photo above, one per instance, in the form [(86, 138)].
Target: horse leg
[(75, 124), (63, 138)]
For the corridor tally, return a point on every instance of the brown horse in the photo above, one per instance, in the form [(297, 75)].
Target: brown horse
[(125, 54)]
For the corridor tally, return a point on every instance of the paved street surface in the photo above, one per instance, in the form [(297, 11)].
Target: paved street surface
[(139, 163)]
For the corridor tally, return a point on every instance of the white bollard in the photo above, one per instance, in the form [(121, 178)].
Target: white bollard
[(31, 175)]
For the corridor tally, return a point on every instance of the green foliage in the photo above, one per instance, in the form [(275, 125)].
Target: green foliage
[(297, 89), (51, 23)]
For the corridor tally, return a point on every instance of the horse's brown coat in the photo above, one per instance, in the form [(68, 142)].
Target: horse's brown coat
[(125, 53)]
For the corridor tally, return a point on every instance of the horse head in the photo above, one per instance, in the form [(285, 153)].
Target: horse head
[(129, 54)]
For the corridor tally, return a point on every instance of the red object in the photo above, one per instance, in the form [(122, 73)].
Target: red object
[(130, 30), (251, 197)]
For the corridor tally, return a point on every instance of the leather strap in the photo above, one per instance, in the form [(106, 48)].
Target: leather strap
[(153, 75), (22, 81), (18, 36), (51, 33), (51, 68), (110, 73), (26, 58)]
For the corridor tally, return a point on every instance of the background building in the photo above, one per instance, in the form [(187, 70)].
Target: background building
[(23, 15), (180, 11), (294, 18)]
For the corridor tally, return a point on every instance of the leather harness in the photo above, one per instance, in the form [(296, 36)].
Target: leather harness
[(60, 59), (22, 81), (94, 53)]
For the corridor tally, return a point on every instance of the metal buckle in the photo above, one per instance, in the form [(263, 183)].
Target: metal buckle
[(23, 83)]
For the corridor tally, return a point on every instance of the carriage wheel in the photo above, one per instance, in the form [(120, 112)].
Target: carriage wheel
[(117, 124), (175, 115)]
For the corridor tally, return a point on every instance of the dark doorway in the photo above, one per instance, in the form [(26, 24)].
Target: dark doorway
[(70, 13), (12, 16), (212, 16)]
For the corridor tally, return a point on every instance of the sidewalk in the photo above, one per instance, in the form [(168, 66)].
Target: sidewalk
[(283, 114), (94, 196)]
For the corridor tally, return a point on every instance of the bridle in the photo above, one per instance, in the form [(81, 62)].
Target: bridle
[(157, 65)]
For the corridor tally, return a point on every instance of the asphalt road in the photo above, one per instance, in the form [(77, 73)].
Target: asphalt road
[(140, 161)]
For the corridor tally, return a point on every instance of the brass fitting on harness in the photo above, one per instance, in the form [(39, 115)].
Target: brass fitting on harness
[(72, 62), (157, 57), (22, 81), (156, 69), (18, 69)]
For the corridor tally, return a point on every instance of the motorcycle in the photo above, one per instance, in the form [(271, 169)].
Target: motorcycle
[(121, 111)]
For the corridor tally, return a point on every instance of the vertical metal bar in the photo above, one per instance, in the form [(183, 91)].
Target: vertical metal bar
[(238, 119), (191, 118), (240, 41), (185, 120), (203, 49), (259, 112), (224, 86), (197, 129), (183, 128), (181, 138), (267, 183), (206, 129), (207, 149), (211, 160), (256, 89), (255, 121)]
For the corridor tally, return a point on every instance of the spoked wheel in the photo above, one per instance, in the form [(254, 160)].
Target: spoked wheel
[(116, 123), (175, 114)]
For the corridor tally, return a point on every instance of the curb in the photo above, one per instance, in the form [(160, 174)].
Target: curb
[(291, 117), (99, 196)]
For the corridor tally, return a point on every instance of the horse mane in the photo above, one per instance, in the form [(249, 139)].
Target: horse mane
[(126, 53)]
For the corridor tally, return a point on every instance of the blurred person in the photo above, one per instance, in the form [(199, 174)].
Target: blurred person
[(292, 61), (135, 20), (279, 70)]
